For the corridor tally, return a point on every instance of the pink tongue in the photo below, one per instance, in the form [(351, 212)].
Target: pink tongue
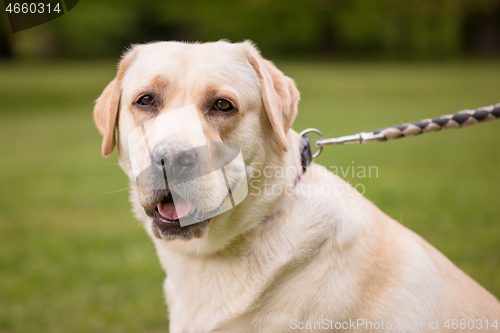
[(173, 212)]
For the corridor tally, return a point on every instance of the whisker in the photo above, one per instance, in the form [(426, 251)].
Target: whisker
[(111, 163), (123, 189)]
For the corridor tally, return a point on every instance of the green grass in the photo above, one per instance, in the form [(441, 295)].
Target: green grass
[(73, 259)]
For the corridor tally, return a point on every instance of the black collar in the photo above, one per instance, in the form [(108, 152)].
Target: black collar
[(305, 152)]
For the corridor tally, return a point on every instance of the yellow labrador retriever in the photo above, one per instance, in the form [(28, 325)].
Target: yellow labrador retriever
[(301, 252)]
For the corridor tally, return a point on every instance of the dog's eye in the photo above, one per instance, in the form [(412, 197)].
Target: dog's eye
[(146, 100), (223, 105)]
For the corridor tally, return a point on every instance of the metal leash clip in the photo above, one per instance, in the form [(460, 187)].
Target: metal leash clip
[(360, 138), (306, 144)]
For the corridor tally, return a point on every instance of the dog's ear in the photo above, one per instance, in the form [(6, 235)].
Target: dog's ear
[(279, 93), (107, 105)]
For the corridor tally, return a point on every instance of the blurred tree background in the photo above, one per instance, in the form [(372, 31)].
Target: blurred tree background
[(322, 28)]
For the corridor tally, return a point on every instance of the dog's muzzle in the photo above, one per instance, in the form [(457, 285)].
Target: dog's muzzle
[(196, 179)]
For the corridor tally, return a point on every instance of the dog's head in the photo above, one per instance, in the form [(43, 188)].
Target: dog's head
[(170, 102)]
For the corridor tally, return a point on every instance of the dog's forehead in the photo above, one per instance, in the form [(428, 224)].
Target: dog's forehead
[(185, 63)]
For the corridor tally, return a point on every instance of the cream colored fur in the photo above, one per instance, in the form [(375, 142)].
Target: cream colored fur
[(282, 258)]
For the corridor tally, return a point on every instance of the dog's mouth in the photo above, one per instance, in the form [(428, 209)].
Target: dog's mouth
[(166, 215), (169, 211)]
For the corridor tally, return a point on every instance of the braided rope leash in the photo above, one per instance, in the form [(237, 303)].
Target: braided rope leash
[(460, 119)]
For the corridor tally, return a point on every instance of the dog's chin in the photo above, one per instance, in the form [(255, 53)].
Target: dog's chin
[(166, 229)]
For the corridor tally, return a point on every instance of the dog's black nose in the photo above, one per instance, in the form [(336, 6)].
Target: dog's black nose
[(176, 157)]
